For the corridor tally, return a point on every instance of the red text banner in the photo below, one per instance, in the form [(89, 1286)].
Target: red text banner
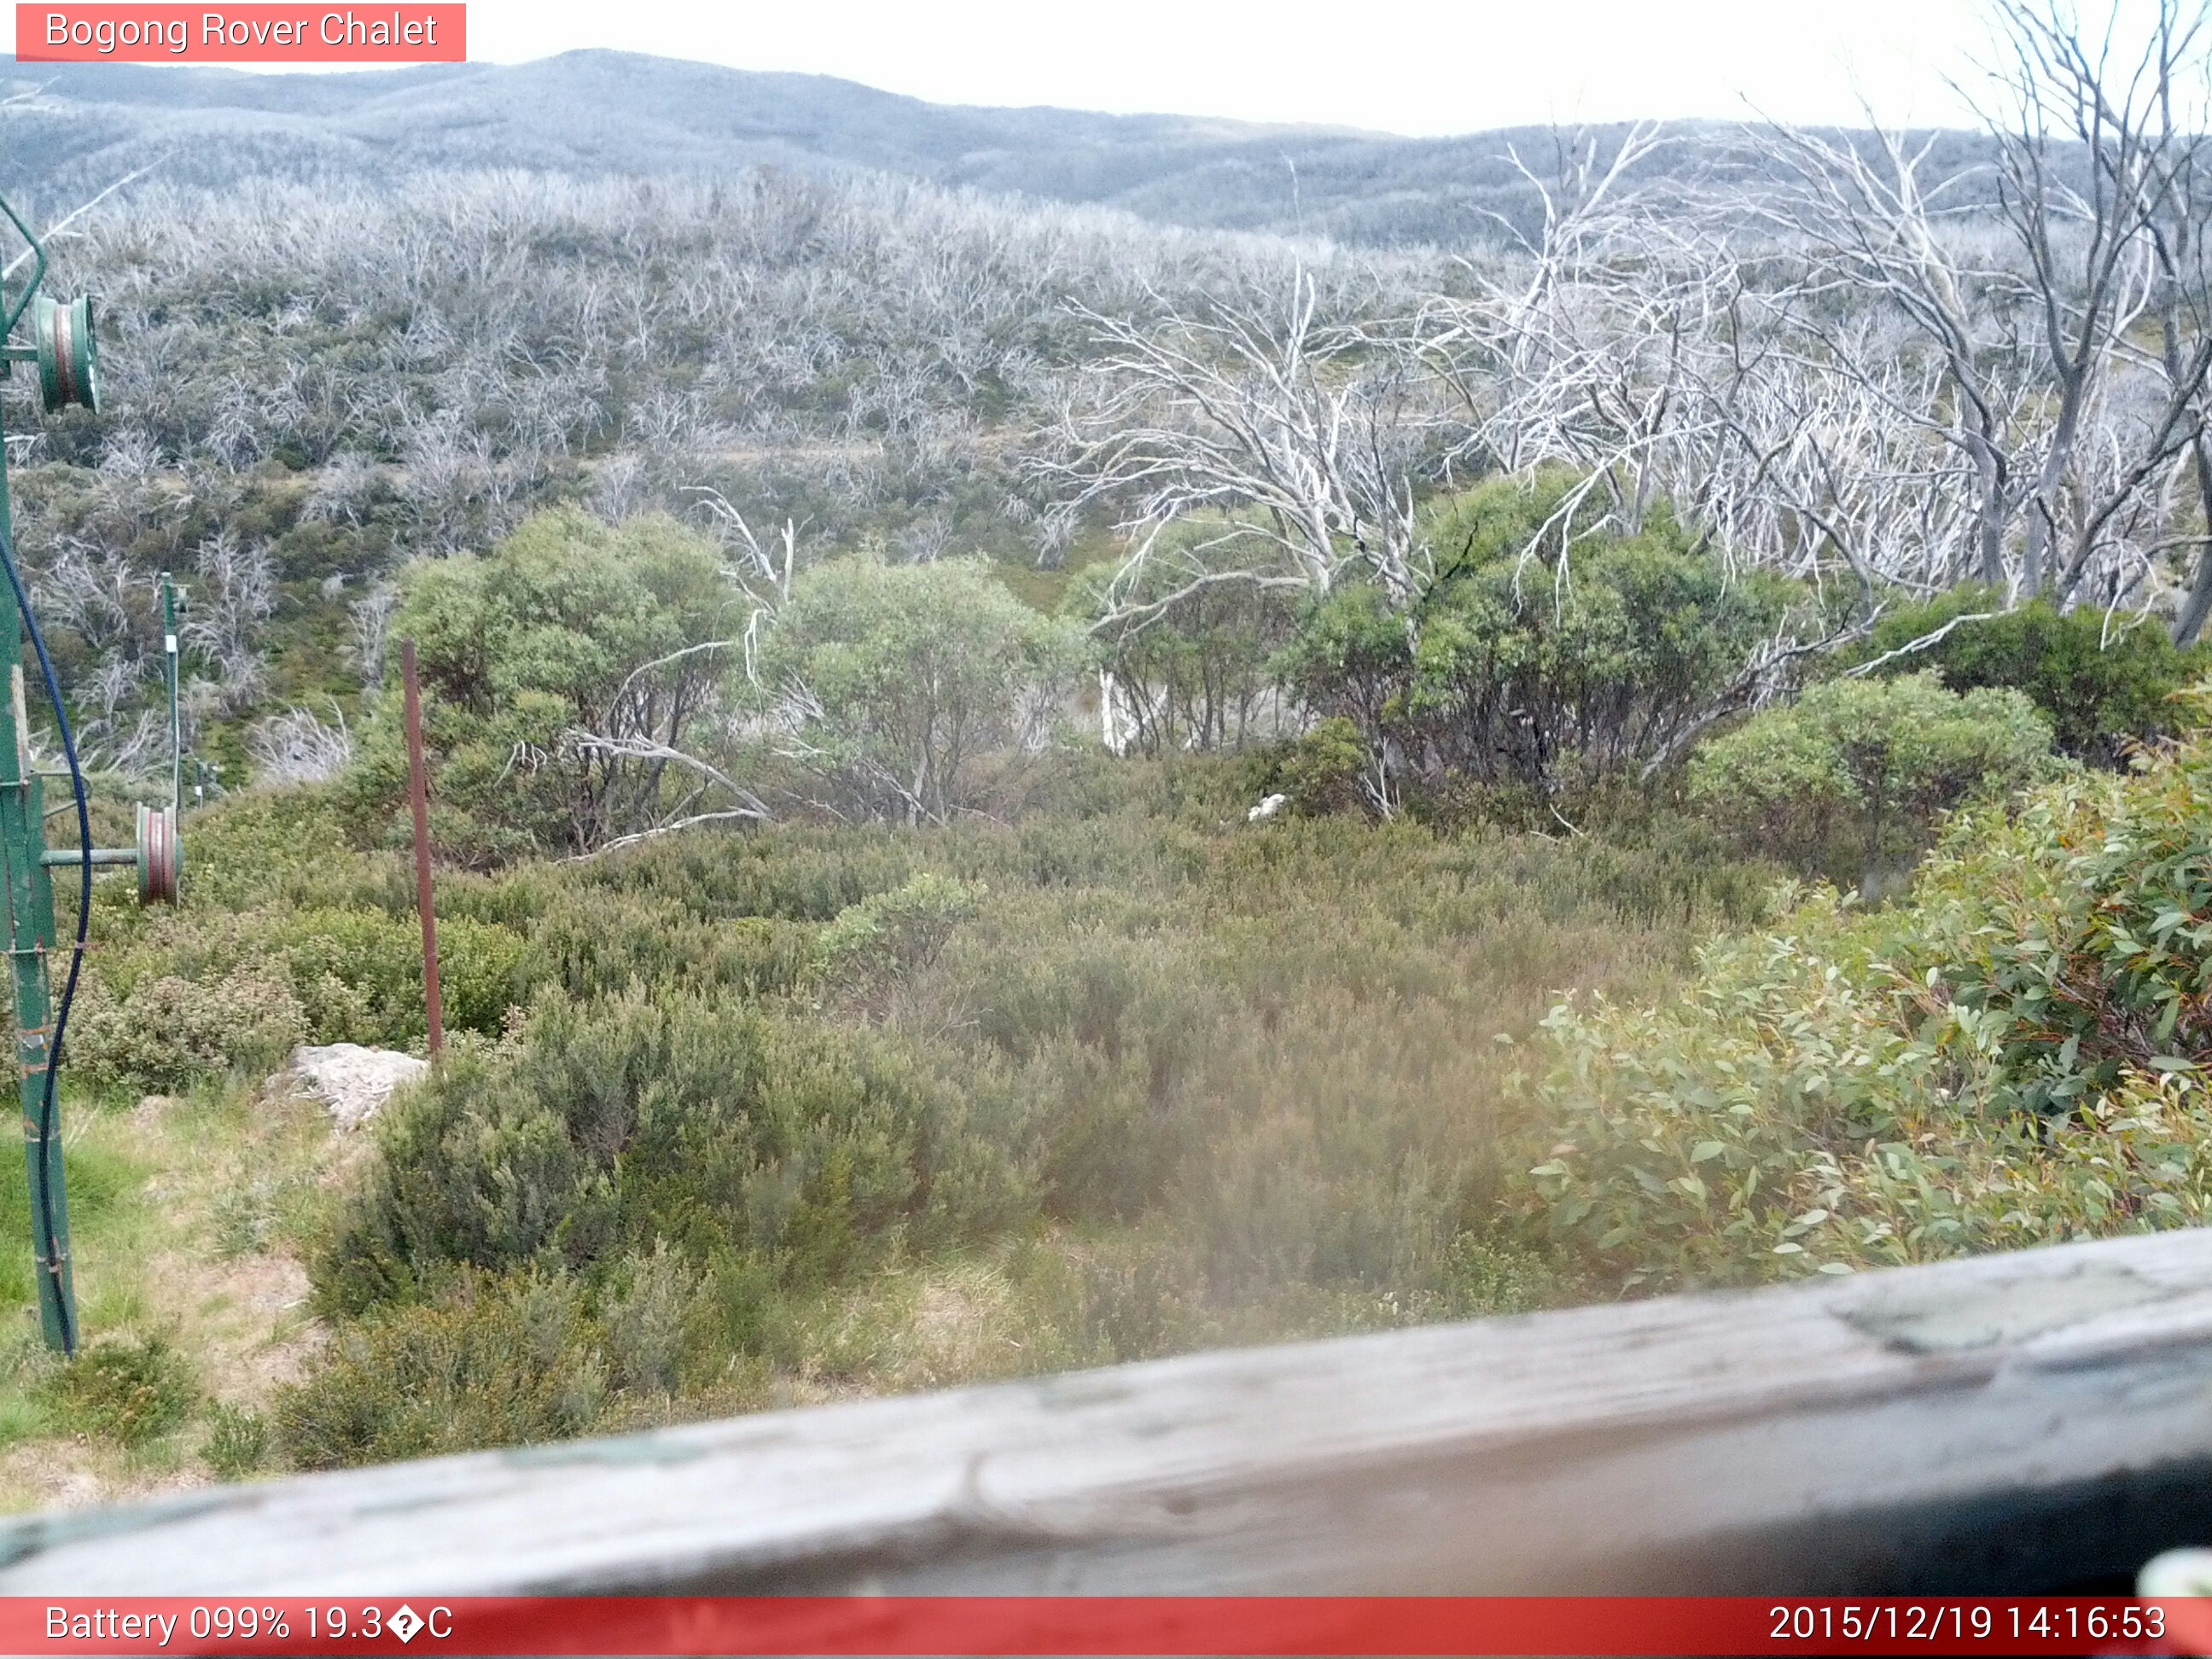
[(1115, 1626), (309, 33)]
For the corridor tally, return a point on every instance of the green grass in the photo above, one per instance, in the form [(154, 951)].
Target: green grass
[(99, 1177), (1043, 589), (819, 1111), (183, 1322)]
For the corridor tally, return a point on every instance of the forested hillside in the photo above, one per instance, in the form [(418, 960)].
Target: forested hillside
[(1016, 784)]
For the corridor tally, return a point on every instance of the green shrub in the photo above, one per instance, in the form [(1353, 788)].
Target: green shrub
[(126, 1391), (358, 973), (243, 848), (481, 974), (494, 1362), (201, 993), (795, 872), (719, 1126), (1325, 768), (2015, 1057), (895, 932), (237, 1442), (591, 941), (1548, 651), (1351, 658), (1851, 776), (168, 1031), (913, 675), (650, 1314), (567, 625), (1235, 1085), (1189, 649), (2103, 684)]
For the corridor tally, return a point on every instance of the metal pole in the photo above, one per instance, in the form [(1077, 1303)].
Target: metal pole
[(30, 903), (418, 787), (176, 719)]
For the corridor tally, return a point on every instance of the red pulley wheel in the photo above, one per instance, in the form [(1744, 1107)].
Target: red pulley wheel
[(160, 862)]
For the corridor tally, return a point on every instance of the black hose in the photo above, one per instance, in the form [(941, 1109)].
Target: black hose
[(77, 955)]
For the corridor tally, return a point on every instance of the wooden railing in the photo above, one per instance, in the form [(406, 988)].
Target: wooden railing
[(2023, 1422)]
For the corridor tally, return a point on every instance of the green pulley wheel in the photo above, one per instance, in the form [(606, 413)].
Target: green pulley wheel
[(69, 357)]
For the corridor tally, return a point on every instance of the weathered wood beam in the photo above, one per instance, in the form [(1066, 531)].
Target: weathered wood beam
[(2017, 1422)]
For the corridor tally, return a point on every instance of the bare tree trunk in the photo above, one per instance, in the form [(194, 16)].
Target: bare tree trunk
[(2196, 600)]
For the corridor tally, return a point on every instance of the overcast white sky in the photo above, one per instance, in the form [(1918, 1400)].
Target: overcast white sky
[(1409, 66)]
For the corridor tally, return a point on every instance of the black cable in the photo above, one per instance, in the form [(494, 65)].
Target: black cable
[(77, 955)]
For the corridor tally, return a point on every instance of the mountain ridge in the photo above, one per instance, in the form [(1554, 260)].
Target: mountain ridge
[(607, 112)]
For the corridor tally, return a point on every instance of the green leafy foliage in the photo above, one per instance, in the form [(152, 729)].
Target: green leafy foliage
[(896, 933), (167, 1029), (1325, 768), (1546, 651), (1191, 647), (651, 1317), (568, 628), (125, 1392), (734, 1132), (850, 1106), (1848, 780), (500, 1362), (2013, 1058), (912, 680), (2102, 682), (237, 1441), (198, 991)]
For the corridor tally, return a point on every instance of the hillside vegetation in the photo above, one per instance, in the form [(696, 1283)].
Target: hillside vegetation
[(742, 1117), (1014, 787), (1057, 1058)]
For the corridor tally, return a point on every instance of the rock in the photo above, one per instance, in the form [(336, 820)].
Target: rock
[(353, 1082), (1267, 809)]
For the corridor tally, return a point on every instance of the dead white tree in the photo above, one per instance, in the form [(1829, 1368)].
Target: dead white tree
[(1299, 443), (371, 619), (1572, 351), (2176, 212), (642, 770), (298, 747), (236, 594), (641, 760), (2134, 110), (2053, 302), (1874, 227), (62, 227), (1639, 342)]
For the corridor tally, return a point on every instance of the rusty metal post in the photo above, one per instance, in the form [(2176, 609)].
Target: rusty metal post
[(419, 788)]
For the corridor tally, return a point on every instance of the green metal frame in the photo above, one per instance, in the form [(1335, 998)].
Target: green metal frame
[(29, 891), (63, 354), (176, 717)]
